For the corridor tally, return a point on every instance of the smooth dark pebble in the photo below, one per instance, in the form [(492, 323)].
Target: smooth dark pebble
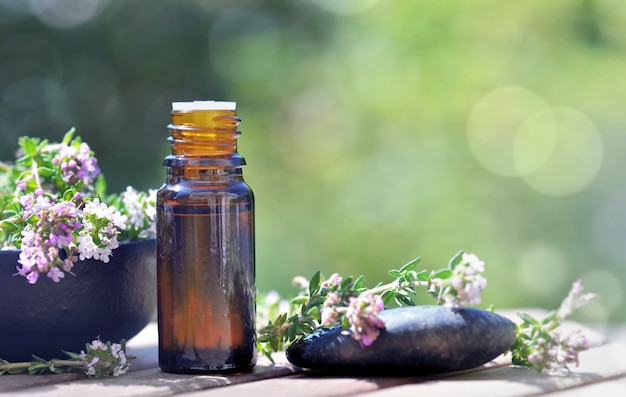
[(416, 340)]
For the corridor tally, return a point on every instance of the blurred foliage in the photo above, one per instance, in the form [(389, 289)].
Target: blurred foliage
[(375, 130)]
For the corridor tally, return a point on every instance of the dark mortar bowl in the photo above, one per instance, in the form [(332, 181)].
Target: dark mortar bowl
[(113, 301)]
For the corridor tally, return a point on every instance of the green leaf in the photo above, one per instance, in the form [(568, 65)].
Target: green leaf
[(516, 360), (264, 337), (442, 274), (395, 273), (101, 186), (549, 318), (346, 283), (456, 259), (38, 367), (291, 332), (314, 284), (67, 138), (42, 145), (411, 265), (299, 300), (280, 320), (403, 300), (345, 324), (46, 172), (424, 275), (29, 145), (266, 353), (275, 344), (14, 371), (358, 283), (71, 355), (387, 296), (528, 318)]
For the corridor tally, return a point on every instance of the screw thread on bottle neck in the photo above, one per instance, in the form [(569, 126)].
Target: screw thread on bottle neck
[(204, 138)]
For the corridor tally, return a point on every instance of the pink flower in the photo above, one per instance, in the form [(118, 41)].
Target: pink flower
[(576, 298), (464, 286), (333, 281), (362, 314)]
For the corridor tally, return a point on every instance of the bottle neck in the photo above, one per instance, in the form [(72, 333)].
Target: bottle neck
[(204, 175), (204, 140)]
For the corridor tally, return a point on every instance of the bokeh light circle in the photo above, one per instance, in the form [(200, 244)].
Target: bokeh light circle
[(345, 7), (577, 156), (66, 14), (535, 141), (545, 260), (493, 125)]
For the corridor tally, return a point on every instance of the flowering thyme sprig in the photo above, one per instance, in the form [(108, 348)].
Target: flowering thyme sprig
[(342, 301), (98, 360), (54, 208), (542, 345)]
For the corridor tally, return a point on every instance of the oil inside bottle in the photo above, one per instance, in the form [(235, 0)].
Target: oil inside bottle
[(205, 266)]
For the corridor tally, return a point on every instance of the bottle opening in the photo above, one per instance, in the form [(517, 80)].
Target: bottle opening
[(203, 105)]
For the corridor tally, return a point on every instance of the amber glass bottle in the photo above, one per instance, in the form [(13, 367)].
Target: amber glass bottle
[(205, 245)]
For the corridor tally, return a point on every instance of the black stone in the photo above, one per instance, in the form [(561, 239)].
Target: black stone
[(416, 340)]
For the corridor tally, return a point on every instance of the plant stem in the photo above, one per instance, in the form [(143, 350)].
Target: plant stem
[(57, 363), (67, 363), (36, 173), (10, 366), (396, 285)]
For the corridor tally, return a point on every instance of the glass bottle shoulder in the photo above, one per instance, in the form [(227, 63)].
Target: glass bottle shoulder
[(185, 190)]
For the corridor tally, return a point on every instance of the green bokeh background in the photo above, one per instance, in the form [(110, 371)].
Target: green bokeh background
[(375, 130)]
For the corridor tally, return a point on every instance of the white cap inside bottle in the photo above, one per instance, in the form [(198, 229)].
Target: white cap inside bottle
[(203, 105)]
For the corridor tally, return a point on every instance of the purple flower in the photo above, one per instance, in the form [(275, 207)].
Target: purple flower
[(58, 218), (362, 315), (53, 230), (56, 274), (554, 352), (77, 164)]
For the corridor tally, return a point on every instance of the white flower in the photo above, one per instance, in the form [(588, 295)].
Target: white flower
[(86, 247), (465, 284), (120, 370), (104, 254), (104, 211), (97, 344), (574, 300), (474, 262), (141, 211)]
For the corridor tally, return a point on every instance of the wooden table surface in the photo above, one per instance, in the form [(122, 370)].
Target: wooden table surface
[(602, 372)]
